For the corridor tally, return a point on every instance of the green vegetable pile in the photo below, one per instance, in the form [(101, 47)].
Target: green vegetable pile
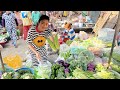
[(57, 72), (20, 74)]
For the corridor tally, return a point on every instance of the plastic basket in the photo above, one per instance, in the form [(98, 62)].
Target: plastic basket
[(31, 70)]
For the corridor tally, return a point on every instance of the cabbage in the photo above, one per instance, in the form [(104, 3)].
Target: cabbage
[(88, 55), (74, 50)]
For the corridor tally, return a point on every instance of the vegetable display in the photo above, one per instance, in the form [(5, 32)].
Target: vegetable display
[(78, 59)]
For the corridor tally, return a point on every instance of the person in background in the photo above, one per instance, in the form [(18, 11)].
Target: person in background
[(20, 23), (65, 13), (10, 23), (1, 17), (35, 17), (27, 22), (117, 41), (69, 33), (43, 12), (36, 39)]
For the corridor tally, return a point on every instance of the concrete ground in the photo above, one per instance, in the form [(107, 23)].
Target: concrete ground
[(10, 50)]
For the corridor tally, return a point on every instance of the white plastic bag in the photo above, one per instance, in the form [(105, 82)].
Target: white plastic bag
[(44, 69), (97, 60), (83, 35), (28, 63), (59, 58), (106, 34)]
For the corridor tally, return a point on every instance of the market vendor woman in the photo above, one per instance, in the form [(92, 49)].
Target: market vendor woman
[(36, 39)]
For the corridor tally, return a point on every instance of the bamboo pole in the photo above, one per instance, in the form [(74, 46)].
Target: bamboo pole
[(2, 62), (113, 43)]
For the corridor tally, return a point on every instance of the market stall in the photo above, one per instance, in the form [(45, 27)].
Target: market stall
[(91, 58)]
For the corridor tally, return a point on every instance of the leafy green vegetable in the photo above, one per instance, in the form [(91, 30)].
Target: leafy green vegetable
[(104, 74), (27, 76), (7, 75), (65, 55), (115, 67), (79, 74), (69, 42), (116, 74)]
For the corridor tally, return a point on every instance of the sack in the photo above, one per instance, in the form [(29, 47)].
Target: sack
[(106, 34)]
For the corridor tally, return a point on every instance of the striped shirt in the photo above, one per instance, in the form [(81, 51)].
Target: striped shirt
[(32, 34), (69, 34)]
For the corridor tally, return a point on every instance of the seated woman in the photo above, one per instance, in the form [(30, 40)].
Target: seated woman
[(69, 33)]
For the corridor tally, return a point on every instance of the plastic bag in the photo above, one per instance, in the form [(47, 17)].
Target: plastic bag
[(52, 57), (28, 63), (64, 48), (75, 44), (97, 60), (43, 70), (59, 58), (106, 34), (83, 35), (77, 35)]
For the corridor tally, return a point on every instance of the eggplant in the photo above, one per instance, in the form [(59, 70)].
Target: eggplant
[(66, 70), (66, 65)]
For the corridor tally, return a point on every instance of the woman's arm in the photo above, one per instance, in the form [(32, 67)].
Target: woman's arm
[(51, 38), (3, 22), (32, 48), (38, 57)]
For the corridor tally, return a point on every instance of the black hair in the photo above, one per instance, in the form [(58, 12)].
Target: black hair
[(43, 17)]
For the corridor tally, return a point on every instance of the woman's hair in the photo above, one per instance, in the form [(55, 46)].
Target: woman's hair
[(43, 17)]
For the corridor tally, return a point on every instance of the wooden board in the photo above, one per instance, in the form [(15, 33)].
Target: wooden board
[(101, 21), (115, 12), (110, 25), (112, 20)]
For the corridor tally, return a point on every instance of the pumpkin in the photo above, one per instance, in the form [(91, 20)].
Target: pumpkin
[(39, 41)]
